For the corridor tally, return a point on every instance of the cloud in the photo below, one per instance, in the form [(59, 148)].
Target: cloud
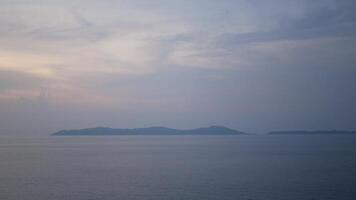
[(76, 38), (64, 42), (70, 39), (16, 80), (291, 30)]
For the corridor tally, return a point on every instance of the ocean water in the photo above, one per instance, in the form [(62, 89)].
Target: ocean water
[(178, 167)]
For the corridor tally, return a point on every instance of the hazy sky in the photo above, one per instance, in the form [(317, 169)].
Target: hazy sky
[(253, 65)]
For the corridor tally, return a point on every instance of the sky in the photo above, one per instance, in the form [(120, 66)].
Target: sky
[(251, 65)]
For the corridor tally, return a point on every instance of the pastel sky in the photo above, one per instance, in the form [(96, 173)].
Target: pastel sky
[(252, 65)]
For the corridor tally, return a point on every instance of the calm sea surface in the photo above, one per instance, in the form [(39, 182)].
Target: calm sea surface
[(178, 167)]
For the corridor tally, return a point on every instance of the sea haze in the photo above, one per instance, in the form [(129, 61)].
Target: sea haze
[(290, 167)]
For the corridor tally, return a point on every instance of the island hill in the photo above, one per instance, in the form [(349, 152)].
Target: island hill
[(212, 130), (318, 132)]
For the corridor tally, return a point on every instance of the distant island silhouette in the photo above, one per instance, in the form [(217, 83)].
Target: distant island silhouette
[(98, 131), (318, 132)]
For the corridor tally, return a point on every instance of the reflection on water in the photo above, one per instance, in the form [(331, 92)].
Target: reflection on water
[(178, 167)]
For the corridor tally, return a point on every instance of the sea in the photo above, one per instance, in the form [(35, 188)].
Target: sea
[(244, 167)]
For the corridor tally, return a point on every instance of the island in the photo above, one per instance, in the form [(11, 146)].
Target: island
[(318, 132), (101, 131)]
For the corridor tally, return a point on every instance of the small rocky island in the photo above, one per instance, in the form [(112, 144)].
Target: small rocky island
[(101, 131), (319, 132)]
